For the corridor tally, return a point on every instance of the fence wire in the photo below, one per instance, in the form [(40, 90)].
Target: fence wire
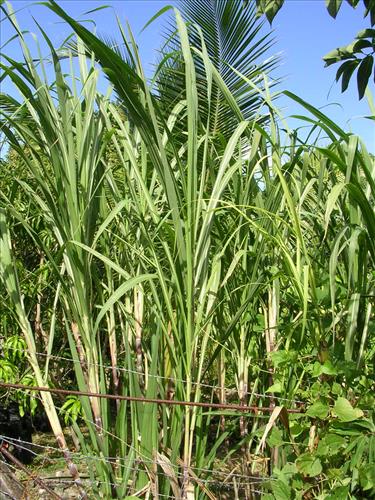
[(141, 399), (240, 481), (172, 379), (113, 461)]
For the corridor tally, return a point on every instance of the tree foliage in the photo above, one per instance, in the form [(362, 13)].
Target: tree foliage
[(358, 55)]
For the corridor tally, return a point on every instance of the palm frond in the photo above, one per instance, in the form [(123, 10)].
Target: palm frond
[(236, 46)]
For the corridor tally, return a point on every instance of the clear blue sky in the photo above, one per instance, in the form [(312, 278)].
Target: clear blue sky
[(303, 29)]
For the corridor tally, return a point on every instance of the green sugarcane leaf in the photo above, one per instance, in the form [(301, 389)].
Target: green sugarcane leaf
[(331, 203)]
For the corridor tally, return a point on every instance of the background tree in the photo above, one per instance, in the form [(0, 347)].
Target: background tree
[(358, 55)]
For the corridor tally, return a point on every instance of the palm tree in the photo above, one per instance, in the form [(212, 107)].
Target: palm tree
[(236, 45)]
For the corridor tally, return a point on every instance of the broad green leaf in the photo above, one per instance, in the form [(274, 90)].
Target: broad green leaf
[(276, 388), (275, 438), (331, 444), (347, 73), (296, 428), (367, 477), (338, 493), (272, 8), (339, 54), (336, 389), (269, 7), (318, 409), (289, 469), (344, 411), (326, 368), (362, 44), (280, 358), (309, 465), (281, 490), (353, 3), (332, 57)]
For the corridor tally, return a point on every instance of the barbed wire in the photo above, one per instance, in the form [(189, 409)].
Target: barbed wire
[(114, 461), (162, 377), (47, 483), (242, 480), (33, 477)]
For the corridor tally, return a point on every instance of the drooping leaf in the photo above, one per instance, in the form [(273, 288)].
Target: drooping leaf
[(370, 9), (353, 3), (362, 44), (331, 203), (363, 75), (269, 7), (272, 7), (346, 71), (333, 6)]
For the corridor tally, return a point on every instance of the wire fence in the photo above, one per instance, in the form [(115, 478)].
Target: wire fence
[(142, 399), (223, 481), (119, 369), (47, 456), (44, 451), (198, 474), (201, 477), (204, 478)]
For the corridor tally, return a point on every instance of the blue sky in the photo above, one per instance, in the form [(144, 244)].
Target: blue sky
[(304, 33)]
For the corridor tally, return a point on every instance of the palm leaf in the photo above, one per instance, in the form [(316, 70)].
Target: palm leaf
[(233, 39)]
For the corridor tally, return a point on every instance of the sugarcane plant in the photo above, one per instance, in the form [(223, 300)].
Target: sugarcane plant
[(189, 247)]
